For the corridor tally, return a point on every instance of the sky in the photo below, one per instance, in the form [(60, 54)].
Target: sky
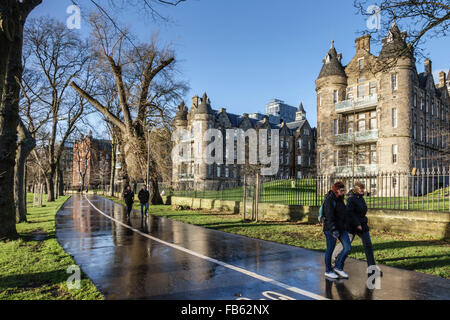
[(245, 52)]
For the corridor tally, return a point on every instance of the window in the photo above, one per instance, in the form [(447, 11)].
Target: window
[(360, 91), (394, 117), (335, 130), (394, 81), (432, 106), (415, 99), (287, 158), (350, 93), (320, 100), (426, 104), (218, 171), (299, 175), (394, 153), (299, 160), (320, 160), (227, 172), (299, 143), (335, 96), (362, 125), (335, 158), (415, 131), (361, 64), (373, 120), (372, 88)]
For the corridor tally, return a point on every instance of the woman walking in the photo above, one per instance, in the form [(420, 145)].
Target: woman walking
[(357, 208), (128, 196), (334, 228)]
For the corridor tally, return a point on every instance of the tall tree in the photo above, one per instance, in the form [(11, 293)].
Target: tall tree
[(146, 87), (57, 55), (13, 14)]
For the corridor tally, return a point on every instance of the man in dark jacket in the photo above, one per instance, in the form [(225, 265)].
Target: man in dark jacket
[(128, 196), (334, 227), (144, 196), (357, 209)]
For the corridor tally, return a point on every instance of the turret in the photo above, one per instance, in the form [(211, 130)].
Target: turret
[(301, 113)]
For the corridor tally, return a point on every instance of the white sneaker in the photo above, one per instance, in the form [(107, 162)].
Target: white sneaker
[(341, 273), (331, 275)]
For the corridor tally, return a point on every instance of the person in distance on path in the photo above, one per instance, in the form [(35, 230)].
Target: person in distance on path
[(144, 196), (128, 196)]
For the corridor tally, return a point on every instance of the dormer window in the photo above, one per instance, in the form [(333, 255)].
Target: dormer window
[(361, 64)]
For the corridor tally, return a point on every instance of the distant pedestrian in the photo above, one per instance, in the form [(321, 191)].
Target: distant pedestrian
[(358, 225), (144, 196), (128, 196), (334, 228)]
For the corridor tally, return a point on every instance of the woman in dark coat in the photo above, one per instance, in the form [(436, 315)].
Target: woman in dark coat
[(334, 227), (128, 196), (357, 207)]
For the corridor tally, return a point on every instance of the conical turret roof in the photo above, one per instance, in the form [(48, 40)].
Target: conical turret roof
[(204, 107), (182, 112), (394, 45), (332, 64)]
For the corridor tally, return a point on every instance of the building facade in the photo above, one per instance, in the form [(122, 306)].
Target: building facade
[(91, 162), (297, 145), (378, 114)]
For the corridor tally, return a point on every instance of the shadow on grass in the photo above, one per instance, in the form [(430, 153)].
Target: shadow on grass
[(33, 280)]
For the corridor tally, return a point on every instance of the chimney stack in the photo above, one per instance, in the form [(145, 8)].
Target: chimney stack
[(195, 101), (428, 66), (363, 43), (442, 79)]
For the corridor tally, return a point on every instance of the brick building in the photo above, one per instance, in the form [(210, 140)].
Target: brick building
[(91, 162)]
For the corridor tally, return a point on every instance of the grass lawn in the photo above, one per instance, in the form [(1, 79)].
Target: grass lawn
[(419, 253), (33, 267)]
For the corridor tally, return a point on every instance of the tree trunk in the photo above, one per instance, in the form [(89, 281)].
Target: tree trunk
[(25, 146), (50, 188), (61, 183), (113, 168), (155, 196), (9, 114)]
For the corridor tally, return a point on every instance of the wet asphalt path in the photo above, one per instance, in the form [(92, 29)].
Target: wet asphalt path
[(166, 259)]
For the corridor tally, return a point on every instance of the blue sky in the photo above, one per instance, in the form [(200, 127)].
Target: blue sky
[(245, 52)]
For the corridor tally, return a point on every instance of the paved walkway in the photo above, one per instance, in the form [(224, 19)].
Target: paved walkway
[(165, 259)]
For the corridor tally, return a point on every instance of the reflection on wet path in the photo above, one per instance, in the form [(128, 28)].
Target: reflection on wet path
[(124, 264)]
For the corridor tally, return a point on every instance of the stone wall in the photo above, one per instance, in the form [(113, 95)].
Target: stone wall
[(412, 222)]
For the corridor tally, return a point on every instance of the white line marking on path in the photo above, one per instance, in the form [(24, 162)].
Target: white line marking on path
[(224, 264)]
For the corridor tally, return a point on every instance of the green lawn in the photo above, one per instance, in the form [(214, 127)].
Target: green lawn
[(33, 267), (419, 253)]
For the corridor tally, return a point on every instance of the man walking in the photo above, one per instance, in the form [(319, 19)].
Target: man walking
[(144, 196), (128, 196)]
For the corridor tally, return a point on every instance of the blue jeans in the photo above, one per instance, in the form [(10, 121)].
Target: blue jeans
[(331, 244), (144, 205)]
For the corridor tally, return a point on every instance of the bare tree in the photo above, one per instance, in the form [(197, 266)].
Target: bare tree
[(146, 89), (58, 55), (13, 14)]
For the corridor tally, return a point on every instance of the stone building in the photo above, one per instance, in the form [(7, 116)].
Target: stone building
[(378, 114), (91, 162), (297, 145)]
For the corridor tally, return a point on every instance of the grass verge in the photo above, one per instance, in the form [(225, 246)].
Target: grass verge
[(33, 267), (413, 252)]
